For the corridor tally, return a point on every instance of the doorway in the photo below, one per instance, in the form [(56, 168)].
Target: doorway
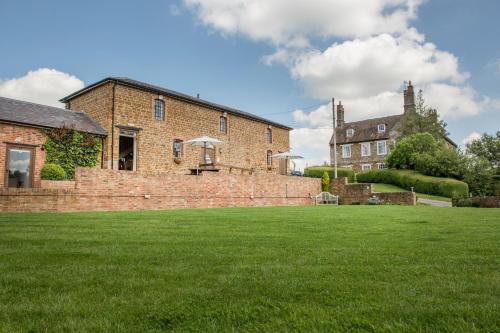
[(127, 158), (19, 167)]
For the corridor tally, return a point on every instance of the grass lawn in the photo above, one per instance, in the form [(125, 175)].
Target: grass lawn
[(328, 269), (394, 188)]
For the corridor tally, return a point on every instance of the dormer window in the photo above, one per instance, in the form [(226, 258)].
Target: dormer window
[(349, 132), (381, 128)]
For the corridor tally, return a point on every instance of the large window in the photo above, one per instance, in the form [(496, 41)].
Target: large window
[(223, 124), (269, 135), (365, 149), (346, 151), (269, 158), (159, 109), (381, 147), (177, 148)]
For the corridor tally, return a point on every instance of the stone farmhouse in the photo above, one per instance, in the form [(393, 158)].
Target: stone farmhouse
[(143, 128), (147, 126), (364, 145)]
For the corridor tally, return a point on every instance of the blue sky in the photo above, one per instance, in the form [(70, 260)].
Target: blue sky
[(271, 65)]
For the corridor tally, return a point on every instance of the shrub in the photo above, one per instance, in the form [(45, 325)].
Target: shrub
[(408, 149), (480, 176), (325, 182), (317, 172), (407, 179), (53, 172)]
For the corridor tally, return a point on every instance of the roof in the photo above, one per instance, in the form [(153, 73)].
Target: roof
[(31, 114), (174, 94), (366, 130)]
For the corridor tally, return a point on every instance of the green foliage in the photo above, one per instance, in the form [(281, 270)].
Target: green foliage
[(52, 172), (70, 149), (487, 147), (423, 119), (408, 149), (318, 171), (325, 182), (480, 176), (407, 179), (444, 162)]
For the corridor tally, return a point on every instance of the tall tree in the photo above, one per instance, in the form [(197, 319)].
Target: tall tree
[(487, 147), (423, 118)]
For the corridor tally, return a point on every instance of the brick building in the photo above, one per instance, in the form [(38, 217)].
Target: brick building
[(147, 126), (364, 145), (22, 136)]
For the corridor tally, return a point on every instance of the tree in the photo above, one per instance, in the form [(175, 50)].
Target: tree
[(487, 147), (408, 149), (325, 182), (423, 118), (480, 176)]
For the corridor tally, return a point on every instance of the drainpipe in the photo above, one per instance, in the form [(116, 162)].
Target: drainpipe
[(113, 127)]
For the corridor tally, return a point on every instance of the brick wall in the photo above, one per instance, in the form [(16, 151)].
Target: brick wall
[(360, 193), (244, 144), (29, 137), (111, 190)]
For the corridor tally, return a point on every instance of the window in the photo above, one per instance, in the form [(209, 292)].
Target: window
[(223, 125), (349, 166), (159, 109), (269, 135), (349, 132), (382, 166), (346, 151), (177, 148), (365, 149), (381, 128), (366, 167), (269, 158), (381, 148)]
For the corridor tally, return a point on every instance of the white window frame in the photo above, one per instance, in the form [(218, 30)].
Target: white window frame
[(349, 166), (343, 151), (379, 126), (349, 130), (379, 152), (382, 164), (367, 166), (369, 148)]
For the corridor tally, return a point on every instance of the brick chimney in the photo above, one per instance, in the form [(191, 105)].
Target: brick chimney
[(340, 115), (409, 98)]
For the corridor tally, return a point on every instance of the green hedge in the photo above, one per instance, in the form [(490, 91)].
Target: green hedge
[(52, 172), (317, 172), (407, 179)]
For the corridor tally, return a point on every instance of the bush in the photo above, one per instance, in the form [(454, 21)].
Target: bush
[(325, 182), (53, 172), (407, 179), (408, 149), (317, 172)]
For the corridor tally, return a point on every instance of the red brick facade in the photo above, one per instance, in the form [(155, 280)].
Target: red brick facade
[(23, 137), (119, 107), (111, 190)]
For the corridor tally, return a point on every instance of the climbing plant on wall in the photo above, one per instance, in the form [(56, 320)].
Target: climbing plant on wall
[(70, 149)]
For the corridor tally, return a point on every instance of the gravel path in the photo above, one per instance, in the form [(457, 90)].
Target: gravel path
[(434, 202)]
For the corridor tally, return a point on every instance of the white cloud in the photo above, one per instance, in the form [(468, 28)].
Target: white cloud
[(370, 66), (45, 86), (471, 137), (282, 21), (312, 144)]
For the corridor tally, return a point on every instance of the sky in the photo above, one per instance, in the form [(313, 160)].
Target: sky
[(281, 59)]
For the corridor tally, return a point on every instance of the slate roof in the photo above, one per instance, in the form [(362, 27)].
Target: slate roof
[(174, 94), (366, 130), (26, 113)]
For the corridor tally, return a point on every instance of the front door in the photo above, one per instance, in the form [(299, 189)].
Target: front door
[(127, 151), (19, 167)]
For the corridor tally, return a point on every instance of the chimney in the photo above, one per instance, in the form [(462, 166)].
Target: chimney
[(409, 98), (340, 115)]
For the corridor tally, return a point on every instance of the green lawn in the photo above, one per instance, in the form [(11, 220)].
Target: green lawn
[(393, 188), (327, 269)]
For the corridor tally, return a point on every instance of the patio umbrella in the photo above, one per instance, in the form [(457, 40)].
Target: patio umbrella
[(288, 156), (205, 142)]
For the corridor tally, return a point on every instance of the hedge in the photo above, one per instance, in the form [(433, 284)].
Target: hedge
[(52, 172), (317, 172), (407, 179)]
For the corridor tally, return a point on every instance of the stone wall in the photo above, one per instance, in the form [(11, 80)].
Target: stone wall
[(244, 143), (111, 190), (360, 193)]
